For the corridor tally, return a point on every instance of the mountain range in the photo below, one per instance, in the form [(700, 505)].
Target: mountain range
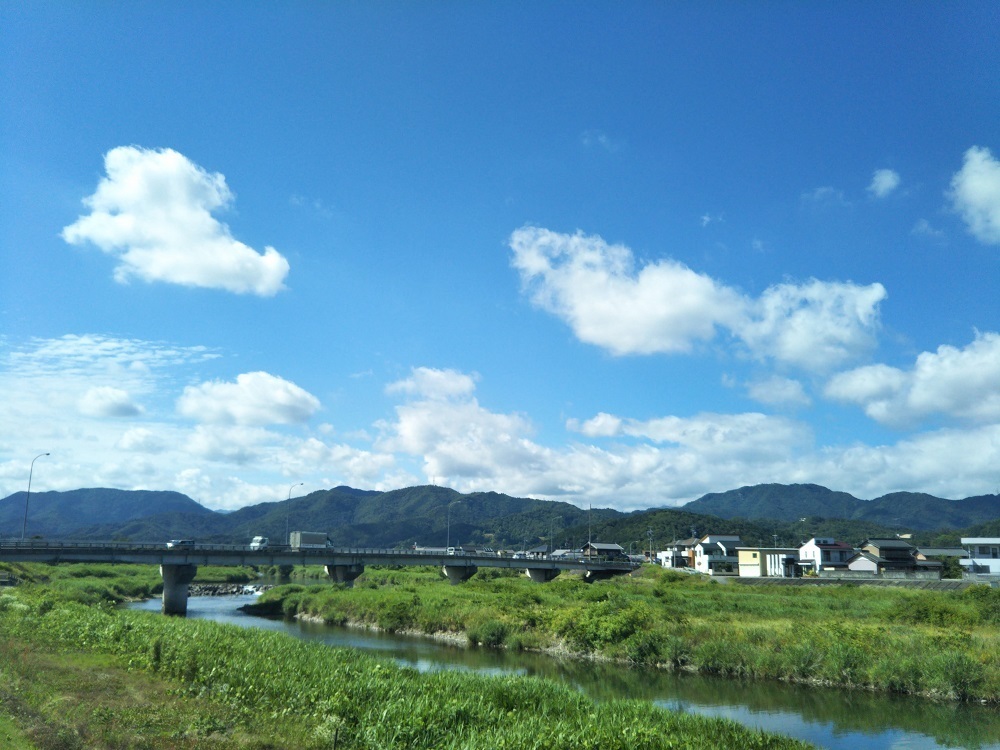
[(438, 516)]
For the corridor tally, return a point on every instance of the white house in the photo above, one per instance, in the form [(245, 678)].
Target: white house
[(825, 553), (983, 555), (678, 554), (716, 553)]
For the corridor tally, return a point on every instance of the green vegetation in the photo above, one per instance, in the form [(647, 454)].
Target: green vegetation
[(933, 643), (91, 583), (76, 675)]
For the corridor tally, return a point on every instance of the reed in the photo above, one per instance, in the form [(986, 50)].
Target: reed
[(305, 695)]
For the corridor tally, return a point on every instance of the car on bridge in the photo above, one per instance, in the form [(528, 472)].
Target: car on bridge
[(180, 544)]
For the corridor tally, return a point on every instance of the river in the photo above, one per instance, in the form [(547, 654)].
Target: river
[(836, 719)]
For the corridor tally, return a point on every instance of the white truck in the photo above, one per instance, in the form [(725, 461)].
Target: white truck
[(259, 543), (308, 540)]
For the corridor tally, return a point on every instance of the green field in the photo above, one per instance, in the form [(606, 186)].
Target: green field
[(940, 644), (77, 672)]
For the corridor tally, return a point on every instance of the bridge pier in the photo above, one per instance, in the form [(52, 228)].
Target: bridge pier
[(345, 573), (459, 573), (175, 587), (542, 575)]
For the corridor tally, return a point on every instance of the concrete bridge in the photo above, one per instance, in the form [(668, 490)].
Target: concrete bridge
[(178, 565)]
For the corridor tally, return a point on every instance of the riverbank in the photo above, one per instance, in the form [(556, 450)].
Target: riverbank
[(239, 687), (939, 645)]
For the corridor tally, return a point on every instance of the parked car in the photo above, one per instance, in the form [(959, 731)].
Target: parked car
[(180, 544)]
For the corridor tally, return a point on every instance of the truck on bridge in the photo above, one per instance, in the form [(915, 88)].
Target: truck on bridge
[(308, 540)]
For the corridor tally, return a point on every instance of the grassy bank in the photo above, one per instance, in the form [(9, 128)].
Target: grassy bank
[(938, 644), (79, 675)]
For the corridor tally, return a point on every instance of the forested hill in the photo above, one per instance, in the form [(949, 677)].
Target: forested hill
[(435, 516), (59, 514), (901, 510)]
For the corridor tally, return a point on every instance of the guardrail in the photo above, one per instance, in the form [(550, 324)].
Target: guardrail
[(160, 549)]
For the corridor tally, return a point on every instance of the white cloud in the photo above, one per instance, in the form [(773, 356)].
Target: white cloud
[(153, 211), (595, 288), (441, 433), (599, 139), (45, 383), (256, 398), (975, 194), (106, 401), (456, 438), (815, 326), (665, 307), (825, 197), (141, 440), (884, 181), (956, 383), (778, 391), (923, 228), (602, 425), (950, 463), (435, 384)]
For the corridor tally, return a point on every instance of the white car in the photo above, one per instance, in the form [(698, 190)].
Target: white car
[(258, 543)]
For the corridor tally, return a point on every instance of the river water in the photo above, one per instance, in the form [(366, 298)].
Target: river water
[(836, 719)]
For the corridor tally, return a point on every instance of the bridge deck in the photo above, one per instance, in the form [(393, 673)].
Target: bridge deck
[(53, 551)]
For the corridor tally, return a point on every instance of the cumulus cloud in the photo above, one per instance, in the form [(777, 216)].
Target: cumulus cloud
[(451, 432), (596, 288), (105, 401), (256, 398), (153, 212), (778, 391), (975, 194), (665, 307), (434, 384), (815, 326), (884, 181), (957, 383)]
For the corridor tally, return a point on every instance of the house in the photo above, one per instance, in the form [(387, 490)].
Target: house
[(825, 553), (768, 562), (865, 562), (983, 556), (937, 553), (891, 558), (678, 554), (895, 554), (716, 553), (603, 549)]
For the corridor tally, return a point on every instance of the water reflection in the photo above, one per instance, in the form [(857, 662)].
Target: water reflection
[(837, 719)]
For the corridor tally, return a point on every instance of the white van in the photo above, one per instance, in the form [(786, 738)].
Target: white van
[(258, 543)]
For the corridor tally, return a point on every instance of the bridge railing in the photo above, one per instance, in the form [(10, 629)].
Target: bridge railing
[(434, 557)]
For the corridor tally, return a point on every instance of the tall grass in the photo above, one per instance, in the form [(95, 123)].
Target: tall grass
[(939, 644), (343, 699)]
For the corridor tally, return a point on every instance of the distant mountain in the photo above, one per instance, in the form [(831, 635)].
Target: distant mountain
[(61, 513), (898, 510), (435, 516)]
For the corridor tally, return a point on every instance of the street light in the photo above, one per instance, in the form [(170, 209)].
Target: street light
[(288, 539), (448, 545), (31, 470)]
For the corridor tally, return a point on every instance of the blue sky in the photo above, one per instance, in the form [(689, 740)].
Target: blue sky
[(620, 254)]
